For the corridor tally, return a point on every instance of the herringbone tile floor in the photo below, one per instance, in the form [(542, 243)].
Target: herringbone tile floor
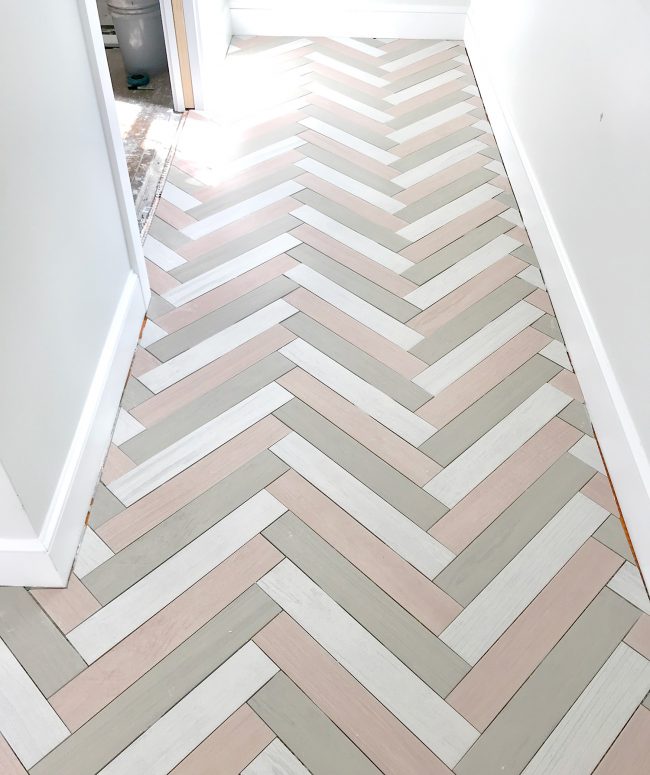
[(353, 519)]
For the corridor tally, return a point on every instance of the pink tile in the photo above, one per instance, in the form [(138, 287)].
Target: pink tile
[(359, 335), (419, 596), (463, 523), (630, 753), (181, 393), (498, 675), (66, 607)]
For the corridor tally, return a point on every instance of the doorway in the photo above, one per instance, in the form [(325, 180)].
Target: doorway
[(146, 114)]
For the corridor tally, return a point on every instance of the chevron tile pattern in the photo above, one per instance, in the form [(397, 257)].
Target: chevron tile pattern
[(353, 519)]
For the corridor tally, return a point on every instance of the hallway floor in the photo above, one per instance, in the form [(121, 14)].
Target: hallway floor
[(353, 519)]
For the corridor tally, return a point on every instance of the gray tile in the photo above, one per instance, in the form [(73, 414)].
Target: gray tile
[(611, 534), (352, 170), (104, 506), (40, 647), (134, 393), (576, 414), (350, 126), (360, 286), (411, 642), (428, 109), (234, 196), (409, 499), (145, 554), (493, 549), (492, 152), (350, 91), (306, 731), (206, 407), (548, 324), (234, 248), (433, 150), (167, 234), (450, 441), (527, 254), (456, 331), (105, 735), (507, 199), (448, 256), (358, 362), (158, 307), (221, 318), (184, 180), (422, 75), (386, 237), (512, 739), (446, 194)]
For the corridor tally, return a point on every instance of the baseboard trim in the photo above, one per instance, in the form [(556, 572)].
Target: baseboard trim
[(622, 448), (391, 20), (46, 559)]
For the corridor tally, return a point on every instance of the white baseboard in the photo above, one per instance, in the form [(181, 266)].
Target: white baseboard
[(622, 448), (46, 560), (382, 20)]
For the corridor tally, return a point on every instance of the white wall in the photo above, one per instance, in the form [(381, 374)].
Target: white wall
[(71, 301), (350, 18), (567, 86)]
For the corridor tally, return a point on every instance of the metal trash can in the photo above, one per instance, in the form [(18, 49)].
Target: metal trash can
[(139, 31)]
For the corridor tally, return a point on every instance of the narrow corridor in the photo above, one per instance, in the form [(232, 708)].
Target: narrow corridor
[(353, 518)]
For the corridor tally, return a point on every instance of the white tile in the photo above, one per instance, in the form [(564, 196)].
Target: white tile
[(418, 56), (484, 126), (91, 554), (468, 470), (349, 102), (477, 347), (275, 759), (462, 271), (359, 45), (586, 449), (424, 86), (496, 166), (27, 721), (439, 163), (405, 695), (350, 141), (241, 209), (355, 307), (367, 247), (443, 215), (151, 333), (430, 122), (627, 583), (170, 739), (490, 614), (161, 255), (556, 352), (263, 154), (352, 186), (357, 391), (227, 271), (342, 67), (126, 427), (532, 275), (179, 198), (215, 346), (594, 721), (513, 216), (374, 513), (108, 626), (169, 462)]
